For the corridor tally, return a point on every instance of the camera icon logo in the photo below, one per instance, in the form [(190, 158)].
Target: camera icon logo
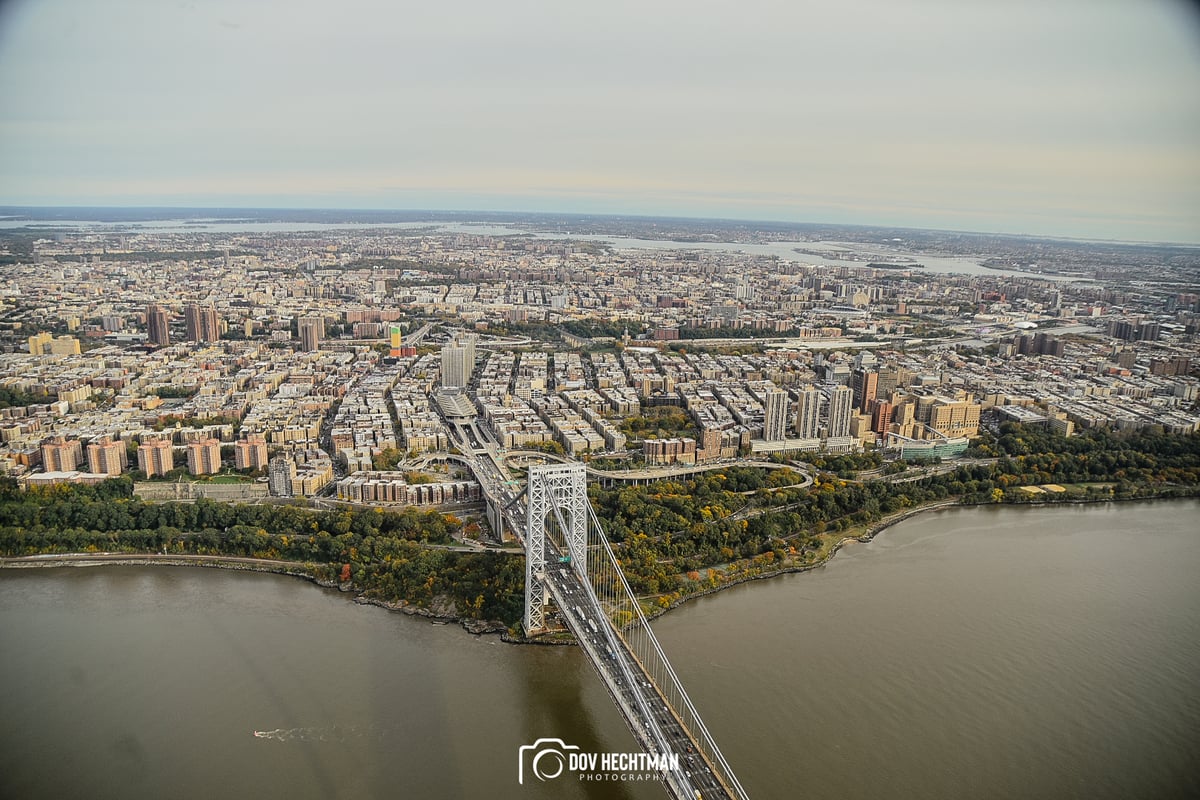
[(547, 759)]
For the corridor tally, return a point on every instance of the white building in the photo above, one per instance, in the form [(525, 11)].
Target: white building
[(841, 399)]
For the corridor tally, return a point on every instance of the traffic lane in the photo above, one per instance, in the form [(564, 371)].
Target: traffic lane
[(698, 776)]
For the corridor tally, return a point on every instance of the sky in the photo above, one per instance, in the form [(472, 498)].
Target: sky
[(1073, 117)]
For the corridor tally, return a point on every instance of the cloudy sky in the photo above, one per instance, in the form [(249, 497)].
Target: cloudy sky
[(1071, 117)]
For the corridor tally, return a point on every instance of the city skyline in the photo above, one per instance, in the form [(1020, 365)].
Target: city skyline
[(1078, 121)]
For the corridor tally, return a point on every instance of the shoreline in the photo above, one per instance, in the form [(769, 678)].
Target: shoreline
[(879, 526), (476, 627), (292, 569), (236, 563), (870, 533)]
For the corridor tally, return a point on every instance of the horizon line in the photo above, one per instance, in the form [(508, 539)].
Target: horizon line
[(602, 215)]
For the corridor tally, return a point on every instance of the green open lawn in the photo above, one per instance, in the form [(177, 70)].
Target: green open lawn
[(227, 479)]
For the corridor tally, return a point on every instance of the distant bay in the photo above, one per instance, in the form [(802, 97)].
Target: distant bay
[(159, 221)]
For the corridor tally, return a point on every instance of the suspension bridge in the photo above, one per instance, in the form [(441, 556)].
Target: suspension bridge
[(572, 576)]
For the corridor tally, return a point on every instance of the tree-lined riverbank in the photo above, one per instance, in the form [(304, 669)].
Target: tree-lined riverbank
[(675, 539)]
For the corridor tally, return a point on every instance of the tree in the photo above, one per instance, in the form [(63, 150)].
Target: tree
[(386, 459)]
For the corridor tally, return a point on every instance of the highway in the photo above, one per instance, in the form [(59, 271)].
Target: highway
[(655, 726), (651, 474)]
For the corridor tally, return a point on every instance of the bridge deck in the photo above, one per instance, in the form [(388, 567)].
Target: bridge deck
[(654, 725)]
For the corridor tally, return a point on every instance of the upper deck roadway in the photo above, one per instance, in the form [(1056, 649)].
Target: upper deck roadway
[(654, 724)]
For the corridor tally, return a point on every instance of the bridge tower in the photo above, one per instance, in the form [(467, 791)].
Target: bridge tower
[(552, 486)]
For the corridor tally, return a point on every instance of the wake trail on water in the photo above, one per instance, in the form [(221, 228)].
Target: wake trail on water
[(327, 733)]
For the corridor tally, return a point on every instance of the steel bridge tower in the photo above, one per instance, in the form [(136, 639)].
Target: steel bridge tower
[(558, 490), (583, 577)]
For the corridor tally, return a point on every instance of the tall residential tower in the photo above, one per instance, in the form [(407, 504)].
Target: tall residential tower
[(157, 331), (775, 419), (808, 413), (841, 400), (458, 362)]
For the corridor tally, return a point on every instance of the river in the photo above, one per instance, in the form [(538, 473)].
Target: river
[(997, 652)]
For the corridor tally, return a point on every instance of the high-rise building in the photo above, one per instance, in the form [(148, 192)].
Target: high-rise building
[(106, 457), (1134, 330), (202, 323), (156, 457), (157, 331), (865, 384), (1038, 344), (191, 319), (280, 474), (841, 400), (775, 418), (886, 381), (204, 456), (881, 415), (808, 413), (458, 362), (61, 455), (1177, 365), (250, 453), (312, 331), (953, 417), (396, 340)]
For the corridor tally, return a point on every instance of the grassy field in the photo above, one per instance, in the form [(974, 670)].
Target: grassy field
[(227, 479)]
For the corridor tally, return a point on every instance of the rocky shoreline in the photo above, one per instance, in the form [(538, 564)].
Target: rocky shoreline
[(436, 615)]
